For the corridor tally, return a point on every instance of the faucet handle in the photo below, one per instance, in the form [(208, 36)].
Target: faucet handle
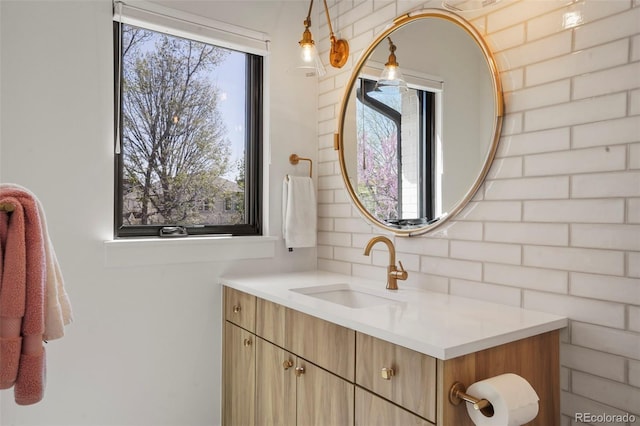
[(402, 274)]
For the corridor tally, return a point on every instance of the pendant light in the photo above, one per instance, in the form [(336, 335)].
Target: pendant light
[(309, 58), (391, 77)]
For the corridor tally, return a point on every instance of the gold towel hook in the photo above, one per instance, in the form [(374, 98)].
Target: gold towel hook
[(295, 159)]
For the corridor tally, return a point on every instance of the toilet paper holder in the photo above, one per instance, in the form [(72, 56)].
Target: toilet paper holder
[(457, 395)]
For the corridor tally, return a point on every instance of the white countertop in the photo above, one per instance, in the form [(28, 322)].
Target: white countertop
[(436, 324)]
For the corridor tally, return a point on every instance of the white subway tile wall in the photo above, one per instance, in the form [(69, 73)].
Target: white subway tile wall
[(556, 225)]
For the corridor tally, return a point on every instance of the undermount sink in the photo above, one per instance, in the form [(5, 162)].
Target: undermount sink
[(346, 295)]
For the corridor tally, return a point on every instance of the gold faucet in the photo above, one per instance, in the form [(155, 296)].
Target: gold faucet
[(393, 274)]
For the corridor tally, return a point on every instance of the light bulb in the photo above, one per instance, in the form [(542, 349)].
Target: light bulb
[(307, 53)]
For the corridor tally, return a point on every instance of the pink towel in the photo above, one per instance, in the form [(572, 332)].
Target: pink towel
[(12, 291), (23, 302), (58, 309)]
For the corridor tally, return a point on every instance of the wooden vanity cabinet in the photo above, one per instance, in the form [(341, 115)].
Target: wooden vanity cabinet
[(343, 381)]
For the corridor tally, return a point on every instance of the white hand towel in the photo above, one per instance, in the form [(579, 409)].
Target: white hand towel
[(299, 221)]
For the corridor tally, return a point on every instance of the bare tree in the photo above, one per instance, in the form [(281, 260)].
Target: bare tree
[(174, 141)]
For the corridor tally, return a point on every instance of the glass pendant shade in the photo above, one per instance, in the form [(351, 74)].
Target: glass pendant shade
[(309, 60), (391, 77)]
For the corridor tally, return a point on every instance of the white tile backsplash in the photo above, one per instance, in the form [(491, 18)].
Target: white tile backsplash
[(549, 234), (575, 259), (606, 287), (587, 310), (600, 159), (555, 187), (593, 362), (578, 63), (577, 211), (634, 373), (488, 292), (577, 112), (634, 156), (502, 168), (603, 133), (538, 96), (548, 280), (634, 318), (603, 185), (606, 339), (555, 225), (505, 211), (608, 81), (537, 51), (616, 237), (535, 142), (453, 268), (615, 27), (607, 391), (486, 252)]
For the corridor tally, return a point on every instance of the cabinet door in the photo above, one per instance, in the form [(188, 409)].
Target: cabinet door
[(239, 376), (271, 322), (372, 410), (322, 398), (275, 385)]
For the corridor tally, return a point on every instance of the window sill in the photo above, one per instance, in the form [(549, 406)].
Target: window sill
[(161, 251)]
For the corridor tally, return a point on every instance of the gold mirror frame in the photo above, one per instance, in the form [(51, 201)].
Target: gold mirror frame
[(497, 125)]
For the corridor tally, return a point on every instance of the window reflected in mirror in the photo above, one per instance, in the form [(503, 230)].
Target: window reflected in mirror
[(399, 163)]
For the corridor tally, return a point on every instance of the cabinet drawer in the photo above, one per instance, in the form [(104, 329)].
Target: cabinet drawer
[(240, 308), (408, 378), (328, 345), (371, 410)]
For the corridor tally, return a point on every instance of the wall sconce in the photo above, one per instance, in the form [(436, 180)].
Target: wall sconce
[(391, 76), (338, 54)]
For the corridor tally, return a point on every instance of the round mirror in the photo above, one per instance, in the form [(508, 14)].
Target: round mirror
[(414, 150)]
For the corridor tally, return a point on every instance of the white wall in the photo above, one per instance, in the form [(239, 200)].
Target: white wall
[(556, 226), (145, 345)]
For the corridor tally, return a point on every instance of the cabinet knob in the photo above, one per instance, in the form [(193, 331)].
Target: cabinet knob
[(247, 342), (287, 364), (387, 373), (236, 309), (299, 371)]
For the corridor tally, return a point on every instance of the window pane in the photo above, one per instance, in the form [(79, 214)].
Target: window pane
[(183, 132)]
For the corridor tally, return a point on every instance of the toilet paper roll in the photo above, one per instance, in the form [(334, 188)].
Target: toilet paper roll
[(514, 401)]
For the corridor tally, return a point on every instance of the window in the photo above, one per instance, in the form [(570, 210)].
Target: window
[(189, 129)]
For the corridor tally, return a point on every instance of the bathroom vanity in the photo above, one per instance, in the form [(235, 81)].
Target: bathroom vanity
[(318, 348)]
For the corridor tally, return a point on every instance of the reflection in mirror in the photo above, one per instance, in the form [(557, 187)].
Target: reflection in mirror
[(396, 152), (411, 157)]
